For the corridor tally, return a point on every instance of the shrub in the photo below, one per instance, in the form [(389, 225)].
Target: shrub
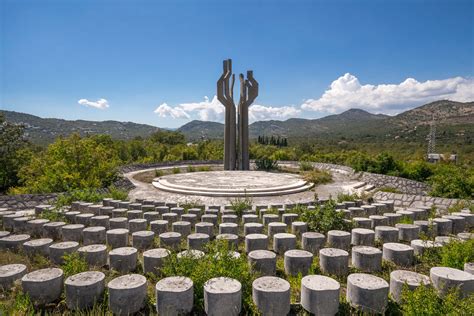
[(204, 168), (217, 262), (239, 205), (191, 168), (176, 170), (425, 301), (343, 197), (389, 190), (159, 173), (73, 264), (306, 166), (451, 181), (266, 164), (89, 195), (456, 253), (317, 176), (325, 218)]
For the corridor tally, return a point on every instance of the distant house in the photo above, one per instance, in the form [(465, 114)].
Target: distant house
[(434, 158)]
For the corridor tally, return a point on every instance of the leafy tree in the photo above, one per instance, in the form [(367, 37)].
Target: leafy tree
[(168, 137), (13, 152)]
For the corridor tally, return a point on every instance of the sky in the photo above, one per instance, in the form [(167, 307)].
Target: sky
[(157, 62)]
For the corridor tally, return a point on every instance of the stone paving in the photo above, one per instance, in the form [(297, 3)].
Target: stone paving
[(263, 237)]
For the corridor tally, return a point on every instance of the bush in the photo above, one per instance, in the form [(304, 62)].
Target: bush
[(89, 195), (159, 173), (239, 205), (389, 190), (191, 168), (176, 170), (217, 262), (425, 301), (204, 168), (73, 264), (266, 164), (317, 176), (456, 253), (325, 218), (306, 166), (452, 182)]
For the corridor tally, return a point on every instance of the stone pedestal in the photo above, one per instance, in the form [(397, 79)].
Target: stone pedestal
[(35, 227), (170, 240), (153, 260), (159, 226), (72, 232), (37, 247), (367, 293), (84, 290), (10, 273), (399, 254), (445, 279), (182, 227), (198, 241), (118, 222), (143, 240), (312, 242), (297, 261), (256, 242), (95, 255), (299, 228), (229, 228), (253, 228), (53, 230), (127, 294), (13, 242), (43, 286), (231, 239), (339, 239), (136, 225), (399, 279), (320, 295), (283, 242), (407, 232), (334, 261), (205, 228), (94, 235), (262, 262), (117, 238), (101, 220), (362, 237), (366, 259), (271, 295), (58, 250), (385, 234), (445, 226), (123, 259), (174, 296), (222, 296)]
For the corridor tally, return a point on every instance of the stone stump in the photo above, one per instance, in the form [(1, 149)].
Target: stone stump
[(72, 232), (43, 286), (367, 293), (84, 290), (399, 279), (13, 242), (127, 294), (399, 254), (9, 273), (118, 223), (58, 250), (222, 296), (339, 239), (37, 247), (262, 261), (320, 295), (205, 228), (283, 242), (170, 240), (95, 255), (229, 228), (143, 240), (154, 259), (174, 296), (334, 261), (136, 225), (362, 237), (198, 241), (445, 226), (367, 259), (445, 279), (253, 228), (271, 295), (123, 259), (312, 242), (297, 261), (117, 238), (159, 226), (35, 227), (94, 235)]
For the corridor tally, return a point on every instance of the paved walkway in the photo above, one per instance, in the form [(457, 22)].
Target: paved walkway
[(341, 183)]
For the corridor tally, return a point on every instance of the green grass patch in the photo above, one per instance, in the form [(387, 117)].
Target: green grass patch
[(317, 176)]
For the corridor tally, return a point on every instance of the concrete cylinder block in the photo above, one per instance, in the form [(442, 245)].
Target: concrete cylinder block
[(276, 228), (362, 237), (367, 293), (127, 294), (469, 267), (198, 241), (249, 218), (117, 238), (367, 259), (177, 210), (369, 210), (174, 296), (385, 234), (299, 228), (53, 230), (378, 220), (408, 232), (118, 223), (84, 290), (283, 242), (445, 279), (334, 261), (420, 246), (134, 214), (256, 242), (72, 232), (362, 222), (428, 228), (43, 286), (393, 218), (143, 240), (196, 211), (262, 261), (100, 220), (162, 209), (467, 216), (123, 259), (170, 240), (289, 218), (205, 228), (94, 235), (94, 255), (399, 279), (459, 223), (19, 224), (253, 228), (231, 239), (445, 226), (136, 225), (154, 259), (9, 273), (271, 295), (320, 294), (35, 227), (297, 261), (37, 247), (399, 254), (229, 228), (13, 242), (159, 226), (58, 250), (209, 218), (270, 218), (339, 239), (119, 212), (222, 296), (8, 221), (84, 218), (106, 211)]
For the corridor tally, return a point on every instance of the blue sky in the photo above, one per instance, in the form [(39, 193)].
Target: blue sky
[(155, 61)]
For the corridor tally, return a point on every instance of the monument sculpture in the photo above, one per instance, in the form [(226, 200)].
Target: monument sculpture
[(236, 133)]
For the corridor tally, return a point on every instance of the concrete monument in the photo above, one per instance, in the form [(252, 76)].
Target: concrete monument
[(233, 158)]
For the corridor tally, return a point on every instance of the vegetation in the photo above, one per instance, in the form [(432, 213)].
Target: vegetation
[(325, 218), (276, 141), (266, 164), (89, 195), (306, 166), (240, 205), (317, 176), (73, 264)]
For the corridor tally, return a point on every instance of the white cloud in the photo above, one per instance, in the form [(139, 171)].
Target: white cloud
[(99, 104), (213, 110), (346, 92), (164, 110)]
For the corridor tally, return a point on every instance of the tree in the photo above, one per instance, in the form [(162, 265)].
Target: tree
[(12, 152), (168, 137)]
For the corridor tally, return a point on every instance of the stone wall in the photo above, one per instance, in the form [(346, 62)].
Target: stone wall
[(402, 185), (135, 167), (413, 200), (25, 201)]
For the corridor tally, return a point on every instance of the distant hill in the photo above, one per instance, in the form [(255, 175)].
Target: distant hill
[(45, 130), (354, 123)]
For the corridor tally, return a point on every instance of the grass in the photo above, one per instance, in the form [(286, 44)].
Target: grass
[(73, 264), (159, 173), (390, 190), (89, 196), (204, 168), (317, 176), (176, 170), (191, 168), (241, 204), (325, 218), (306, 166)]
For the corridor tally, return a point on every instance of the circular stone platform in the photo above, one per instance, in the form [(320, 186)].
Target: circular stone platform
[(233, 183)]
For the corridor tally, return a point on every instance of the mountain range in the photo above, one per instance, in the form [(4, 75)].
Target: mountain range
[(456, 118)]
